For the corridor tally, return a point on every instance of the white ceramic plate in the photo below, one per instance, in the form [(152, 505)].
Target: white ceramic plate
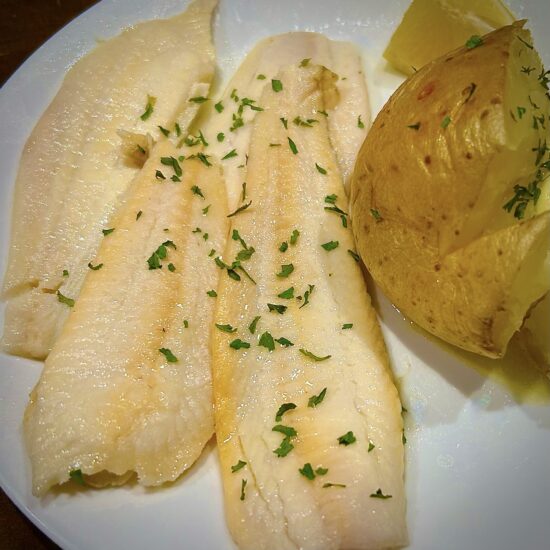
[(478, 451)]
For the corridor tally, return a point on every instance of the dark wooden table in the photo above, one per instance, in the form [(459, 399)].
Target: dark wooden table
[(24, 26)]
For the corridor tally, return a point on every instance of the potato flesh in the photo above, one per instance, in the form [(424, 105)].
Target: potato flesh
[(73, 171)]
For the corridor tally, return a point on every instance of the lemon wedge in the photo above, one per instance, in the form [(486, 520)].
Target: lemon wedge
[(431, 28)]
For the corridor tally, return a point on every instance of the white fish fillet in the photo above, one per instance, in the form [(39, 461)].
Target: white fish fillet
[(278, 508), (72, 171), (109, 402), (266, 59)]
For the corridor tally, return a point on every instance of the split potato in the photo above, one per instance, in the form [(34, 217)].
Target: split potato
[(449, 194)]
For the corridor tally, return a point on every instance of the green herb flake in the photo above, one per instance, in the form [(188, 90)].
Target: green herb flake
[(185, 323), (287, 431), (347, 326), (177, 129), (170, 357), (95, 267), (354, 255), (321, 471), (226, 328), (239, 344), (285, 342), (380, 494), (212, 293), (196, 190), (138, 215), (375, 214), (521, 111), (360, 123), (287, 294), (231, 154), (64, 300), (307, 471), (243, 487), (276, 85), (331, 199), (324, 113), (371, 446), (320, 169), (315, 400), (331, 245), (261, 77), (220, 137), (204, 159), (305, 62), (285, 407), (294, 237), (65, 273), (474, 41), (266, 341), (314, 357), (107, 231), (284, 448), (240, 209), (347, 439), (77, 477), (252, 326), (219, 106), (159, 175), (285, 122), (445, 122), (164, 131), (174, 163), (198, 99), (307, 296), (277, 308), (286, 270), (283, 247), (239, 466), (149, 107), (292, 146), (327, 485)]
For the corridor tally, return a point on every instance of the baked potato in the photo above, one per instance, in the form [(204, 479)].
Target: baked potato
[(449, 196)]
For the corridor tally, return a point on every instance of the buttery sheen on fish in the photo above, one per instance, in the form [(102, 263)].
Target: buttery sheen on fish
[(127, 387), (75, 167), (308, 419)]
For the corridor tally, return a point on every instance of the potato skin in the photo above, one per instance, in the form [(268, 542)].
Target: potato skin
[(422, 200)]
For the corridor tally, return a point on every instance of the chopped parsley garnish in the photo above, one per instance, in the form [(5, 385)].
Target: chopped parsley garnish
[(232, 153), (95, 267), (276, 85), (354, 255), (260, 77), (243, 194), (175, 179), (287, 294), (206, 209), (371, 446), (415, 126), (307, 296), (307, 471), (360, 123), (375, 214), (283, 409), (204, 159), (76, 476), (149, 107), (173, 162), (522, 196), (219, 106), (315, 400), (331, 199), (277, 308), (177, 129), (379, 494), (286, 270), (323, 113), (159, 254), (170, 357), (292, 146), (283, 247), (239, 344), (164, 131), (238, 122), (320, 169), (285, 122), (252, 326), (331, 245), (346, 326), (196, 190), (305, 62), (445, 122), (239, 466), (65, 273), (284, 342), (138, 215), (240, 209), (308, 123), (243, 487), (212, 252), (327, 485), (474, 41), (284, 448), (185, 323), (313, 356), (226, 328), (220, 137), (266, 341), (294, 237), (347, 439), (321, 471), (198, 99), (212, 293), (64, 300), (107, 231), (287, 431), (159, 175)]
